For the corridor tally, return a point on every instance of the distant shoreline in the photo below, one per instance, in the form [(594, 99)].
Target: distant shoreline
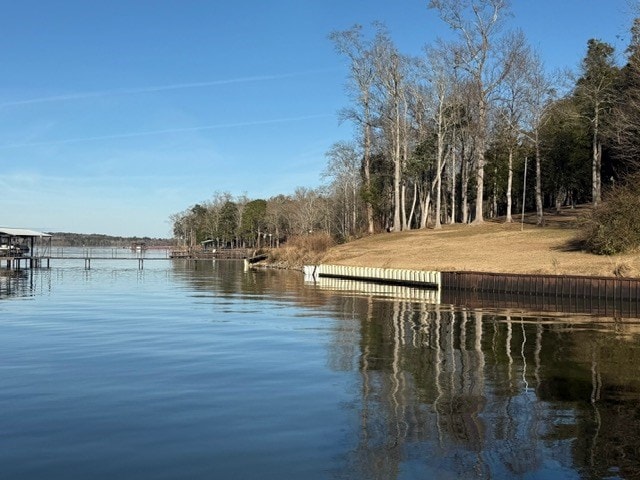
[(66, 239)]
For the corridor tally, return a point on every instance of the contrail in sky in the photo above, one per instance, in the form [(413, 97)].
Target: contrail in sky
[(151, 89), (164, 131)]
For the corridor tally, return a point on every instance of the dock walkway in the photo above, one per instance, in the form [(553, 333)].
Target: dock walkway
[(43, 260)]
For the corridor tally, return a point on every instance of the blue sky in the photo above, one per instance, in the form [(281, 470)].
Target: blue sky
[(114, 115)]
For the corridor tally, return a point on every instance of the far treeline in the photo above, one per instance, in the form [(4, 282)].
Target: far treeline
[(64, 239), (475, 128)]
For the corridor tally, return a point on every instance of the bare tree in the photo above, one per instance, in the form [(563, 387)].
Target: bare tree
[(540, 94), (595, 92), (390, 73), (308, 212), (212, 220), (343, 169), (485, 57), (419, 130), (179, 221), (512, 100), (278, 219), (442, 81), (351, 44), (527, 93), (464, 142)]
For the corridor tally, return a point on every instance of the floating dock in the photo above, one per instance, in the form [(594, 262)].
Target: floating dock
[(387, 276), (598, 295)]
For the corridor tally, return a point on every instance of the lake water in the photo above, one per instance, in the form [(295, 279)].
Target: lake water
[(203, 370)]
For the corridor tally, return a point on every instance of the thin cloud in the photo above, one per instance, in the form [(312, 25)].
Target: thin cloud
[(163, 131), (152, 89)]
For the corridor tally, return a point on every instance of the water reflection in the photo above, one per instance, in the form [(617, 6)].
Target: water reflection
[(201, 367), (459, 392), (462, 393), (377, 290), (16, 283), (616, 308), (455, 392)]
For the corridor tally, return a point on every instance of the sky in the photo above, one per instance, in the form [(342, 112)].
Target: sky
[(115, 115)]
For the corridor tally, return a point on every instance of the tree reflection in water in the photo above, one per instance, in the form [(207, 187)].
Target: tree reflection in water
[(453, 392), (459, 393)]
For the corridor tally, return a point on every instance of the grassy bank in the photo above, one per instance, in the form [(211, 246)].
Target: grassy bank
[(490, 247)]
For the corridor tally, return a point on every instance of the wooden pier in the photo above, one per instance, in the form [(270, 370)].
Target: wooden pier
[(220, 254), (15, 262), (26, 262), (88, 255)]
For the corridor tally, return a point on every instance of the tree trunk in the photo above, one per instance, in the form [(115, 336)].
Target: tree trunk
[(425, 210), (413, 205), (367, 175), (509, 218), (403, 204), (482, 123), (596, 160), (539, 210), (561, 196), (597, 171), (354, 217), (494, 212), (452, 218), (440, 153), (465, 189), (404, 136), (397, 171)]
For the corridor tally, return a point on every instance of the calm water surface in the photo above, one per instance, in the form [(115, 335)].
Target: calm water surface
[(186, 370)]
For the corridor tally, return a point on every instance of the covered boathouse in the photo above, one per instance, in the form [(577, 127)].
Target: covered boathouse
[(22, 248)]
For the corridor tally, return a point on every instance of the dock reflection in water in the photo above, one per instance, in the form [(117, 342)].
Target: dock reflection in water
[(14, 283), (23, 283)]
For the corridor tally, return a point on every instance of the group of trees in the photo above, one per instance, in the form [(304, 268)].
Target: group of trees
[(449, 137), (238, 222), (474, 128), (66, 239)]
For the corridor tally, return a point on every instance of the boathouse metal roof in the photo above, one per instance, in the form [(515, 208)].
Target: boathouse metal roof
[(21, 232)]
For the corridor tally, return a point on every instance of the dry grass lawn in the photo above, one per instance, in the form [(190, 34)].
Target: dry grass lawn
[(490, 247)]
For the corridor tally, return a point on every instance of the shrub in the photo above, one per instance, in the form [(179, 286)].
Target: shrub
[(302, 250), (314, 243), (614, 226)]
